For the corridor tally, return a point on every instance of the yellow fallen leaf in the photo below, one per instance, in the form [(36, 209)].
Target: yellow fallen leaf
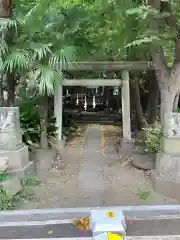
[(111, 214), (50, 232), (112, 236)]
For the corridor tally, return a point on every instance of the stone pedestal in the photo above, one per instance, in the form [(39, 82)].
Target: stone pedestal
[(12, 186), (11, 146), (61, 145), (166, 177), (125, 147), (170, 145), (143, 160), (43, 161)]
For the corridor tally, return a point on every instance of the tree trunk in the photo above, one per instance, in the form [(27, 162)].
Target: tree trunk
[(11, 84), (176, 101), (6, 12), (153, 98), (140, 119), (5, 8), (43, 113), (1, 91), (167, 100)]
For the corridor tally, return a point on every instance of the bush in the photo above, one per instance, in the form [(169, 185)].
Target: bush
[(31, 128), (30, 124), (152, 137), (68, 123)]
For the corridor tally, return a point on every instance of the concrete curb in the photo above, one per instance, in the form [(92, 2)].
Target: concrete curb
[(35, 223), (69, 213), (167, 237), (69, 221)]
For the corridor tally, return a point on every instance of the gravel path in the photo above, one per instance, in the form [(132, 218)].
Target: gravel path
[(94, 175)]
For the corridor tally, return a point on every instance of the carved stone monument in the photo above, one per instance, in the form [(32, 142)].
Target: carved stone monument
[(11, 147), (166, 177)]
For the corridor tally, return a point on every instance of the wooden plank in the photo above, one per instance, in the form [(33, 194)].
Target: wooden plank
[(109, 66), (91, 82)]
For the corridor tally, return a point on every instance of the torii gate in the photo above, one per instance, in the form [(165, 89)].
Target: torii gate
[(124, 67)]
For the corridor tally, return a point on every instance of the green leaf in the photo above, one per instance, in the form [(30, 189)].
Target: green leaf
[(7, 23), (63, 58), (40, 50), (31, 12), (17, 60), (46, 79), (3, 47)]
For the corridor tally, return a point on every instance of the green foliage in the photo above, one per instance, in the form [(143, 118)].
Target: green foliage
[(29, 181), (164, 35), (5, 201), (30, 124), (68, 124), (144, 194), (152, 139), (27, 192), (4, 176), (41, 42)]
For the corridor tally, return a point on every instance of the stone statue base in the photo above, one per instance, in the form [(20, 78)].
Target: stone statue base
[(12, 186), (166, 177), (171, 145), (14, 155), (167, 187), (10, 140), (18, 161), (23, 171)]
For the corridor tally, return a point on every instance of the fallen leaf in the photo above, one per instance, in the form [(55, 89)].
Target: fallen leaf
[(50, 232)]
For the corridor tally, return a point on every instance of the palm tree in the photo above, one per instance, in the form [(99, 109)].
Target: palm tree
[(41, 46)]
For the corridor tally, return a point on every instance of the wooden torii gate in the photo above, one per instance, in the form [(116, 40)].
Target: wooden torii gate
[(124, 67)]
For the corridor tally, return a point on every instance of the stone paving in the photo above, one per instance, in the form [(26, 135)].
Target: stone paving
[(94, 175)]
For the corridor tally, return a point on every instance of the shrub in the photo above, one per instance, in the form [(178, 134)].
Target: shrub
[(68, 123), (152, 136), (31, 128), (30, 124)]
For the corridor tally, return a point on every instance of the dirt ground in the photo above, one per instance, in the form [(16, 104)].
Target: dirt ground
[(94, 175)]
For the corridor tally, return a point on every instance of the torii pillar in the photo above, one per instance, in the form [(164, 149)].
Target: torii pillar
[(126, 142), (58, 108)]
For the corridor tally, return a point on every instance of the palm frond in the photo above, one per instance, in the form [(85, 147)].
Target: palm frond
[(7, 23), (17, 60), (46, 79), (3, 47), (63, 58), (31, 13), (40, 50), (54, 15), (1, 64), (53, 20)]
